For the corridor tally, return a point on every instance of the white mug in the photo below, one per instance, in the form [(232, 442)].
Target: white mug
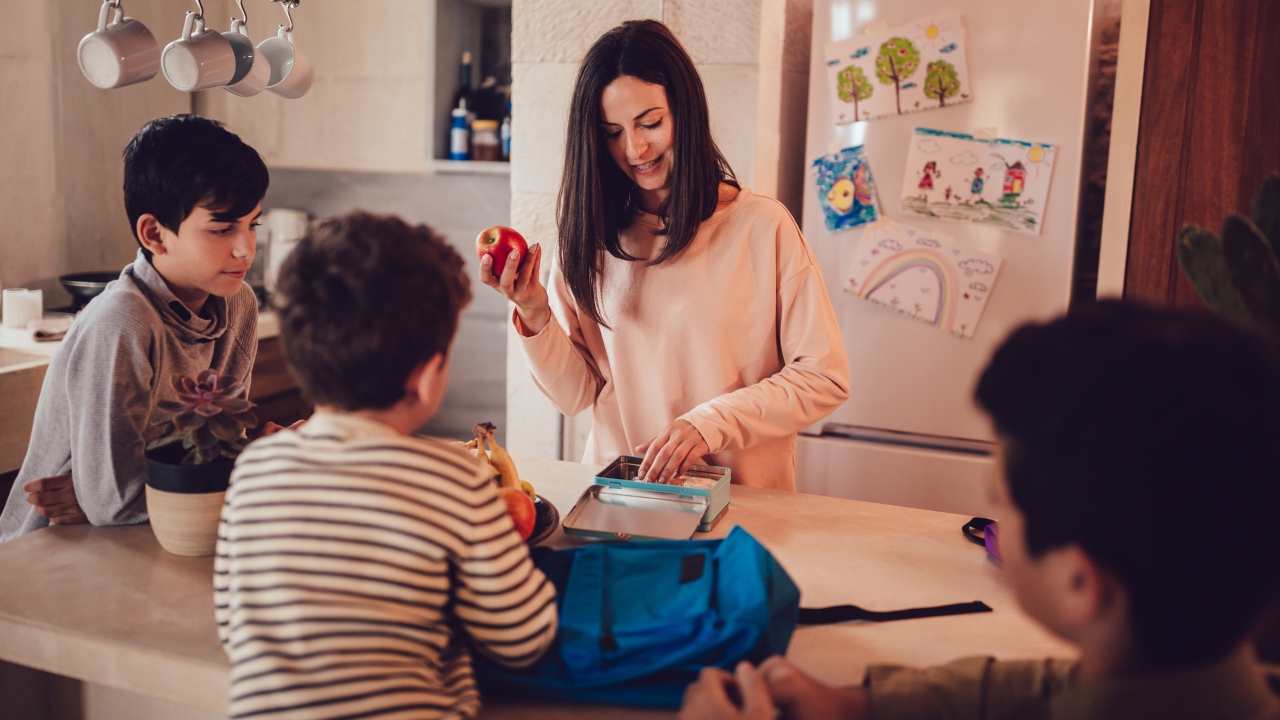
[(291, 71), (252, 69), (202, 59), (285, 228), (120, 52), (21, 306)]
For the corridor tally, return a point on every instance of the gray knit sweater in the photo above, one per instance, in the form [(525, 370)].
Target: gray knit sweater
[(99, 393)]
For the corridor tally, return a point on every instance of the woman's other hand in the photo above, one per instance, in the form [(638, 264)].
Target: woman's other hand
[(520, 284), (670, 454)]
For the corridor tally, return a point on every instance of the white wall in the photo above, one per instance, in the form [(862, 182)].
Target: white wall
[(753, 58), (62, 201), (368, 107)]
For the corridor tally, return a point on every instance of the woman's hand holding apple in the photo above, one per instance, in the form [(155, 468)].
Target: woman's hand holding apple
[(518, 278)]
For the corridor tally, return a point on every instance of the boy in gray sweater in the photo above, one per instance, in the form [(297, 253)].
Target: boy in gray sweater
[(193, 194)]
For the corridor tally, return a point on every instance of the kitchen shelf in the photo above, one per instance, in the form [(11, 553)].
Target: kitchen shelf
[(469, 167)]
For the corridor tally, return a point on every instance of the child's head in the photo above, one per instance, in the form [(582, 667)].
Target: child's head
[(192, 192), (368, 308), (1141, 458)]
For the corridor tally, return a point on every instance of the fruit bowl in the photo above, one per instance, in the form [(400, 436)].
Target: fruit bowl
[(548, 519)]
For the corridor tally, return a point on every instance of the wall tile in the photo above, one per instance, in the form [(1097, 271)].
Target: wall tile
[(731, 94), (723, 31), (561, 31), (540, 113), (534, 215)]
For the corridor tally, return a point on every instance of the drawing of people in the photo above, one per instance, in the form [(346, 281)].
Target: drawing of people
[(947, 196), (926, 178), (976, 187)]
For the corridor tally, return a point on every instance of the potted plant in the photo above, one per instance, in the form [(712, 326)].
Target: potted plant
[(1237, 274), (189, 467)]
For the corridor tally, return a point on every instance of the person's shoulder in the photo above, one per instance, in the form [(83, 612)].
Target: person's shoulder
[(242, 312), (121, 315), (244, 303), (762, 217), (762, 207), (448, 459)]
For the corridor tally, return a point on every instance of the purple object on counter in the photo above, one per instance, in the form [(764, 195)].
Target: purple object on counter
[(991, 539), (984, 532)]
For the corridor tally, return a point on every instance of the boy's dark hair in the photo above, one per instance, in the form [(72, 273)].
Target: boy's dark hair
[(174, 164), (363, 300), (1151, 439)]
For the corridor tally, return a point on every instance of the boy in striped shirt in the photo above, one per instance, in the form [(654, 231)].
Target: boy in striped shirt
[(357, 566)]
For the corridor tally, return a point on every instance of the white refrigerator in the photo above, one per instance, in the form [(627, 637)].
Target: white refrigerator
[(909, 433)]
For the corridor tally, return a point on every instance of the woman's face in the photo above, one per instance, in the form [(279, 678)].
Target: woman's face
[(637, 131)]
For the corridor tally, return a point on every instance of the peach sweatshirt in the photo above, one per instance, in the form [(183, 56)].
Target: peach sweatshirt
[(735, 334)]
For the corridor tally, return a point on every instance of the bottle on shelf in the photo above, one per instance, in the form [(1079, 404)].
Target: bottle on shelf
[(505, 134), (464, 96), (460, 133)]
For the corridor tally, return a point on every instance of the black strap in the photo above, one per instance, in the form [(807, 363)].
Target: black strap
[(844, 613), (975, 530)]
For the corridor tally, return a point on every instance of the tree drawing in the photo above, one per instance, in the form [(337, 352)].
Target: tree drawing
[(941, 82), (898, 58), (853, 86)]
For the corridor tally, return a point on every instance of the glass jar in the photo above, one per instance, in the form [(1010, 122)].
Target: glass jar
[(485, 144)]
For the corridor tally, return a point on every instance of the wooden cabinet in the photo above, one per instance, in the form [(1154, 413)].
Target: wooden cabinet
[(274, 389)]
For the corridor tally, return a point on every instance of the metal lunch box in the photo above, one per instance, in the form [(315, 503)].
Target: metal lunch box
[(619, 507)]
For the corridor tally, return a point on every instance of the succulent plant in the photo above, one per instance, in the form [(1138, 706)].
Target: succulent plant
[(208, 418), (1238, 274)]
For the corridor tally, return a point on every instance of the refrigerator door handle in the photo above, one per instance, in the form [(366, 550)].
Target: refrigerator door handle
[(879, 436)]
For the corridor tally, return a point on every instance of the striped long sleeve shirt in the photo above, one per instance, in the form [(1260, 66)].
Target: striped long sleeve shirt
[(357, 567)]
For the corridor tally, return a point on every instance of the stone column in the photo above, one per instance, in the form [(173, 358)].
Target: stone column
[(753, 58)]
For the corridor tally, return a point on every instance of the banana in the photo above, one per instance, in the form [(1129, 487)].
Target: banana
[(502, 461), (481, 454)]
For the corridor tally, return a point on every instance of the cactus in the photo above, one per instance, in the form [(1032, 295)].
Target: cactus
[(1238, 274)]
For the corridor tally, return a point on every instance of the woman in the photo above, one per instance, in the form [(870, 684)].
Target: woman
[(685, 310)]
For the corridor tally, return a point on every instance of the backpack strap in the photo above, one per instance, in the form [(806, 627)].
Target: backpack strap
[(844, 613), (974, 530)]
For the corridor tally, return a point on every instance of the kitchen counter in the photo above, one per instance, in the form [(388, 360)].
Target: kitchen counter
[(24, 341), (109, 607)]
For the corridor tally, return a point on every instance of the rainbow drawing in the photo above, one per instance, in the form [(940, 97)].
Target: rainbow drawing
[(924, 276), (930, 261)]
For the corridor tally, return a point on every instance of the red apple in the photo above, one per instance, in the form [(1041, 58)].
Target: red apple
[(498, 242), (521, 510)]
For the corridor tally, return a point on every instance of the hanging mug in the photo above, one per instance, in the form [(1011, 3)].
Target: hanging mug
[(291, 71), (252, 69), (122, 51), (202, 59)]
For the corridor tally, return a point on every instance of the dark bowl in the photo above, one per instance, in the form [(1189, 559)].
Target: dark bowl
[(546, 522), (85, 286)]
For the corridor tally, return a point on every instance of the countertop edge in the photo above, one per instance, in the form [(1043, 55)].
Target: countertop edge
[(155, 673)]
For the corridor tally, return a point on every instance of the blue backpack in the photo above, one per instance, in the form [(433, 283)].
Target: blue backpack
[(638, 621)]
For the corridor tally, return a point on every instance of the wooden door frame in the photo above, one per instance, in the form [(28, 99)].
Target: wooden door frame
[(1205, 122)]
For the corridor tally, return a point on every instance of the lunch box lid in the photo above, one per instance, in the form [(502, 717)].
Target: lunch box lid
[(628, 513)]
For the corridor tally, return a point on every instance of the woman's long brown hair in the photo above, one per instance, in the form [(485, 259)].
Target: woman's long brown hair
[(597, 199)]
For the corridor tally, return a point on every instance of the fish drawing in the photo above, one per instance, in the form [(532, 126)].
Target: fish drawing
[(845, 190)]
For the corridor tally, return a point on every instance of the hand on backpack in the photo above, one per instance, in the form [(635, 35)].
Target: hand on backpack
[(800, 697), (717, 695)]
